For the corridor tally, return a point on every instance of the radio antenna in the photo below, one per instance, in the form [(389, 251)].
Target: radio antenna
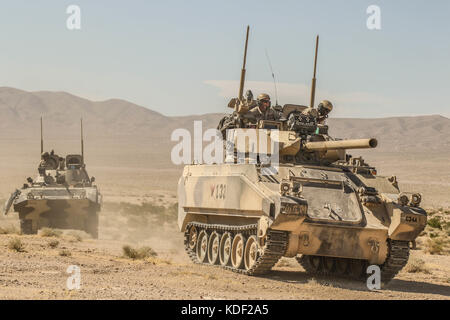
[(273, 77), (241, 84), (42, 139), (82, 142), (313, 85)]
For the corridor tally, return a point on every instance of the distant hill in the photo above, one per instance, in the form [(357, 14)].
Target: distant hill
[(20, 112), (119, 119), (418, 133)]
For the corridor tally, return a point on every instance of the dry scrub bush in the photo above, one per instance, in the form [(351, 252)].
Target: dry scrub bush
[(417, 266), (435, 246), (16, 245), (9, 230), (138, 253), (49, 232), (65, 253), (53, 243), (435, 222), (157, 261)]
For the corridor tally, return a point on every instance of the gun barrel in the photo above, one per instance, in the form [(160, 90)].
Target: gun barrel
[(341, 144)]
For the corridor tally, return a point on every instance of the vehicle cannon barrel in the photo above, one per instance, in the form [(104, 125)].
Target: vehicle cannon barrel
[(341, 144)]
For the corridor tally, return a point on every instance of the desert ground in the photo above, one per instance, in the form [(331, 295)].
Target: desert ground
[(139, 210), (127, 149), (38, 269)]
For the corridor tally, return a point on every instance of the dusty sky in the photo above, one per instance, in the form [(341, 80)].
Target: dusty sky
[(184, 57)]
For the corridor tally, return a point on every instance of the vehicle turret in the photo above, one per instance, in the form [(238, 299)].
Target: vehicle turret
[(61, 196)]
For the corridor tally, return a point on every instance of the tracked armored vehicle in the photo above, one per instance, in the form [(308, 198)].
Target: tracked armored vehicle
[(61, 196), (330, 211)]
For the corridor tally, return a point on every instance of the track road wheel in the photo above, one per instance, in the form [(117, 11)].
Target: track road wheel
[(225, 249), (303, 260), (316, 263), (213, 248), (251, 252), (356, 268), (237, 251), (341, 266), (202, 246), (328, 265), (192, 240)]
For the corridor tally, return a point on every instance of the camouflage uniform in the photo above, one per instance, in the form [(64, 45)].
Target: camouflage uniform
[(47, 162), (257, 113), (44, 163), (324, 108), (227, 122)]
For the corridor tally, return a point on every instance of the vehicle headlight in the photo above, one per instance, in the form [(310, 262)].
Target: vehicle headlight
[(416, 198), (284, 187), (403, 199)]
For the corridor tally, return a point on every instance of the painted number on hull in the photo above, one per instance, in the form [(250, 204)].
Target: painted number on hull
[(218, 191), (411, 219)]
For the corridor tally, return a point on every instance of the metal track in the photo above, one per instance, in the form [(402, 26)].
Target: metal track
[(274, 249), (396, 259), (303, 260)]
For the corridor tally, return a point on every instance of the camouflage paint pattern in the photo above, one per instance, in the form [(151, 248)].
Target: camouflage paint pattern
[(60, 197), (340, 211)]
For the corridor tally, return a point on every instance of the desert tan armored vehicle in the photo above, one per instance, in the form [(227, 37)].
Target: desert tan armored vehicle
[(329, 210), (62, 195)]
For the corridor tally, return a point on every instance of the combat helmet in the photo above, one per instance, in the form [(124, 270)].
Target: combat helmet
[(325, 107), (263, 96)]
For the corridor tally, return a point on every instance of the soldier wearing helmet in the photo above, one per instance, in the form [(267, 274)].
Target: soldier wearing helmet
[(263, 110), (47, 163), (324, 108), (44, 157)]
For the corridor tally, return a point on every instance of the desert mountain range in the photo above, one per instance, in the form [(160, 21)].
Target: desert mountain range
[(124, 121), (128, 147)]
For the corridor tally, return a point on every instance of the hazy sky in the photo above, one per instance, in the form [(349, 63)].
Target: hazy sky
[(184, 57)]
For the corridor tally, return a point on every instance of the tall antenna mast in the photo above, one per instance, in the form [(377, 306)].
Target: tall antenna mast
[(241, 85), (313, 86), (273, 77), (42, 139), (82, 142)]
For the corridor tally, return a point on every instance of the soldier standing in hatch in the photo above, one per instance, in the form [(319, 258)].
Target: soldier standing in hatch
[(324, 108), (263, 110), (45, 157), (47, 162)]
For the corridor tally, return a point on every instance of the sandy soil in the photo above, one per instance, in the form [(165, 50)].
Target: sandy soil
[(39, 272)]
